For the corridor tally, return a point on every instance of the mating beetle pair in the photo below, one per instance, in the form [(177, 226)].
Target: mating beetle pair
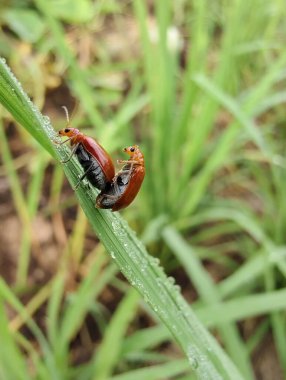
[(117, 191)]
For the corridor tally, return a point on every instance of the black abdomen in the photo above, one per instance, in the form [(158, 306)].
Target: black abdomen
[(95, 173), (113, 191)]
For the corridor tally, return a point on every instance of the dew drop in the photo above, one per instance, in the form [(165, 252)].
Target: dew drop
[(177, 288), (155, 261), (194, 363), (171, 280), (192, 356)]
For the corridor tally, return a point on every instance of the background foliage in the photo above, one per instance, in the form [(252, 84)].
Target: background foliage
[(200, 86)]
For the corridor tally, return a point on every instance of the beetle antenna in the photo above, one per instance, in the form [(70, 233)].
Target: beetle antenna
[(67, 113)]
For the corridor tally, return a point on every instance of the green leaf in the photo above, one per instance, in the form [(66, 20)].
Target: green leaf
[(108, 352), (26, 23), (156, 372), (9, 353), (73, 11)]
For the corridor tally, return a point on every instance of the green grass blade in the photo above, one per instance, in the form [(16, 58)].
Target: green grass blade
[(237, 111), (81, 301), (159, 372), (243, 307), (145, 339), (279, 330), (53, 310), (16, 101), (17, 192), (247, 273), (209, 294), (108, 352), (25, 212), (12, 300), (79, 77), (9, 353)]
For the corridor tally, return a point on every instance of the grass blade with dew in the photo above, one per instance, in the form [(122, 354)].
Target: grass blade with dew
[(206, 357)]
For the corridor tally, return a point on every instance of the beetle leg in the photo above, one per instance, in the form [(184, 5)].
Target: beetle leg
[(130, 170), (109, 196), (83, 176), (62, 142), (127, 162), (123, 171), (72, 153)]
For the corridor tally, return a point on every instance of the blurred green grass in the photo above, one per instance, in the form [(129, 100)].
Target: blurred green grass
[(200, 86)]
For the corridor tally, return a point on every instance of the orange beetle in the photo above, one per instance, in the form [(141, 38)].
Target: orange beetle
[(125, 185), (96, 162)]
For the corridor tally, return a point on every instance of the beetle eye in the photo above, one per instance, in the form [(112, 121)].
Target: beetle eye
[(132, 149), (67, 130)]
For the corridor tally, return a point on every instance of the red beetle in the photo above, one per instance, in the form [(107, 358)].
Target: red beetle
[(125, 185), (96, 162)]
